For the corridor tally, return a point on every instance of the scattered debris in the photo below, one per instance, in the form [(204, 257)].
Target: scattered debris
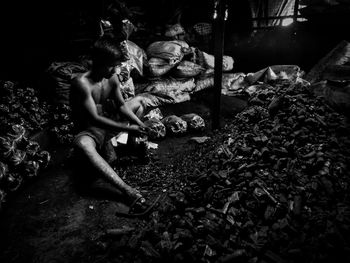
[(270, 187)]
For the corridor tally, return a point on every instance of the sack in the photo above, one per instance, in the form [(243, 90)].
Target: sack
[(156, 129), (153, 114), (233, 83), (123, 72), (208, 61), (179, 96), (127, 28), (7, 147), (62, 74), (167, 85), (43, 158), (230, 82), (3, 170), (185, 47), (16, 132), (127, 89), (272, 73), (204, 83), (194, 122), (171, 51), (136, 56), (31, 168), (167, 91), (2, 198), (17, 157), (158, 67), (227, 63), (13, 182), (175, 125), (187, 69), (174, 30), (150, 100)]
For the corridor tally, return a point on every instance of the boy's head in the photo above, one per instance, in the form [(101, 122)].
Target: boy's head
[(106, 55), (106, 51)]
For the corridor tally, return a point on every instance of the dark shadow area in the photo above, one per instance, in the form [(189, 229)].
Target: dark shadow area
[(56, 217), (37, 33)]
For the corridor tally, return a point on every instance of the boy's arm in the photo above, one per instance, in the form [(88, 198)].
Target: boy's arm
[(122, 105), (90, 109)]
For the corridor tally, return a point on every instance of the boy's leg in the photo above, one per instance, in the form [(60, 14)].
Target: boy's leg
[(87, 146), (136, 105)]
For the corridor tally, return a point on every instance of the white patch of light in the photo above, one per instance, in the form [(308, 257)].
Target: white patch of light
[(287, 21)]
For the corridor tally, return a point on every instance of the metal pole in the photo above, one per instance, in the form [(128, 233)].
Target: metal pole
[(218, 26), (296, 9), (267, 13)]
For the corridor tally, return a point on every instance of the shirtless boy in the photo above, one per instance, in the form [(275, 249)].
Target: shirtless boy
[(90, 92)]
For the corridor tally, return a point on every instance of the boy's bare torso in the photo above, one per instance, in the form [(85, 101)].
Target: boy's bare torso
[(101, 92)]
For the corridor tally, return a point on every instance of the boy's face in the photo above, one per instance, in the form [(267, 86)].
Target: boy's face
[(108, 70)]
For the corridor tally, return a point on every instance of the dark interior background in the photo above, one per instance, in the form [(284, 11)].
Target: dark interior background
[(35, 33)]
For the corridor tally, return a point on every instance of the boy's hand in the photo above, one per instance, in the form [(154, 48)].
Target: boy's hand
[(138, 130)]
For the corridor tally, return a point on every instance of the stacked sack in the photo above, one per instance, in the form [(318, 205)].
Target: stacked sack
[(180, 60), (21, 113), (175, 125), (20, 159), (156, 129), (180, 70), (172, 125), (208, 61), (165, 55), (186, 123), (61, 127), (60, 76), (20, 105), (170, 51), (194, 122), (136, 59)]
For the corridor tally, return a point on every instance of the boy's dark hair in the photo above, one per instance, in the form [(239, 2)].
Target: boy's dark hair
[(106, 50)]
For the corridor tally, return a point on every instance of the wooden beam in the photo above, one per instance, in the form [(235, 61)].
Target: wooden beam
[(296, 10), (337, 72), (275, 17), (337, 56), (218, 25)]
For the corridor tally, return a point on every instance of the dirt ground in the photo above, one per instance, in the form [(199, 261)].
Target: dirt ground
[(48, 220)]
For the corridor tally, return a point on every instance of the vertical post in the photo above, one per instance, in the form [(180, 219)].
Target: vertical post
[(267, 12), (296, 9), (258, 13), (218, 26)]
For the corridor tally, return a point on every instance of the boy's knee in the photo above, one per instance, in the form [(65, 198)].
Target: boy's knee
[(141, 102), (140, 111), (137, 105), (134, 102), (84, 142)]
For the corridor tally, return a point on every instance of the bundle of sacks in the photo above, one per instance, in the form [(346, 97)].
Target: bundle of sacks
[(20, 159), (20, 104), (159, 126), (172, 70), (181, 60), (182, 70), (169, 72)]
